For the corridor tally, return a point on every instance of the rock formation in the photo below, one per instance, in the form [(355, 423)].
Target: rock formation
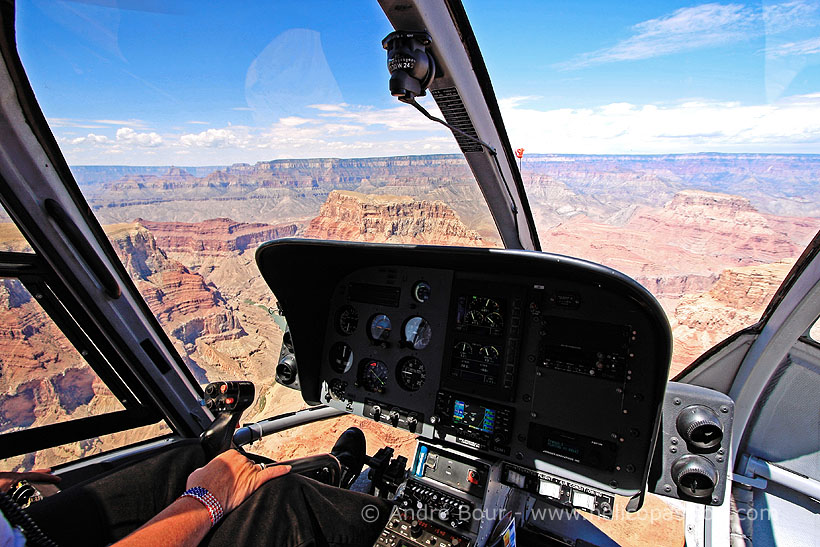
[(736, 301), (352, 216)]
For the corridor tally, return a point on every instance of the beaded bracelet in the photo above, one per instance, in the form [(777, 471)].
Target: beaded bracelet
[(208, 500)]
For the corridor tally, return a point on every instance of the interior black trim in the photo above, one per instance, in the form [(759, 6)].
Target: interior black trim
[(47, 436)]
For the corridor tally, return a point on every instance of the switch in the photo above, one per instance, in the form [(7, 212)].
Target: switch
[(583, 500), (472, 476), (549, 489)]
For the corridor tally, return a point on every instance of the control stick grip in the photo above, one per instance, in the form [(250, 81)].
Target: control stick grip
[(227, 400)]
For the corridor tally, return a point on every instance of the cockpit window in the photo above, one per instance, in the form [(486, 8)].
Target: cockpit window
[(675, 142), (45, 380), (10, 237), (814, 331), (197, 133)]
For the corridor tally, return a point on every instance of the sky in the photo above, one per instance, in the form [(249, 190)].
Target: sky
[(149, 82)]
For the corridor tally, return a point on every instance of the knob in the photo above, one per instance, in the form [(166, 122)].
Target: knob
[(444, 515), (700, 427), (377, 413), (412, 423), (415, 529), (394, 418), (695, 476)]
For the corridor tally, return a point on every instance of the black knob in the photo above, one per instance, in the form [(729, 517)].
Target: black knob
[(377, 413), (286, 370), (695, 476), (700, 427), (394, 418), (415, 529), (412, 423)]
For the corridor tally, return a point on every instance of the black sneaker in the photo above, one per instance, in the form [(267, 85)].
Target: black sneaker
[(351, 451)]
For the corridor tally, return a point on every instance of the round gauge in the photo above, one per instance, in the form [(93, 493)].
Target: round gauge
[(338, 388), (373, 375), (488, 305), (493, 319), (417, 332), (422, 291), (341, 357), (464, 348), (347, 320), (380, 327), (475, 317), (411, 374), (489, 352)]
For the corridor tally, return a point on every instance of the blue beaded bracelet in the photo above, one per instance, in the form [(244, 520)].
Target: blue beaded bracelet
[(208, 500)]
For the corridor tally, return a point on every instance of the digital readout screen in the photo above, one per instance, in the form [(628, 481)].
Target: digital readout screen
[(473, 416)]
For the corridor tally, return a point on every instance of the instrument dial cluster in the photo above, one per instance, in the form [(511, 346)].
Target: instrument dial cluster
[(388, 335)]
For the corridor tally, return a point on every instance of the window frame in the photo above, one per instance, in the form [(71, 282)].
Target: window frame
[(51, 295)]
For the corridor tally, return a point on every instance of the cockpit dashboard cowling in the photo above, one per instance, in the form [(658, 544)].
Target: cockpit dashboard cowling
[(548, 362)]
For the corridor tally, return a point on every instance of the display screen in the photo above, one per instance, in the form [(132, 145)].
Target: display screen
[(473, 416), (571, 446)]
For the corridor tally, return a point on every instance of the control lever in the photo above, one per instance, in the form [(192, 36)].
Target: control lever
[(227, 401)]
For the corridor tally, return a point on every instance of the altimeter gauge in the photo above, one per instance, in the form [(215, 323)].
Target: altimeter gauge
[(411, 374)]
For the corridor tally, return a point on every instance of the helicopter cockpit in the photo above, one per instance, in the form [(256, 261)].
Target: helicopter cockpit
[(531, 389)]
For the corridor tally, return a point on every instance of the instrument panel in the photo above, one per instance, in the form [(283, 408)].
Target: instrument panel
[(549, 363)]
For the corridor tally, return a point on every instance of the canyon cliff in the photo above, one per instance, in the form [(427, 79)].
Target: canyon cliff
[(352, 216)]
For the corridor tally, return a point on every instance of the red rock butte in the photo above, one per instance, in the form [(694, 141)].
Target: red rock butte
[(352, 216)]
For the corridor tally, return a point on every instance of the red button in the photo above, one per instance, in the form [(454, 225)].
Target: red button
[(223, 388), (472, 476), (229, 401)]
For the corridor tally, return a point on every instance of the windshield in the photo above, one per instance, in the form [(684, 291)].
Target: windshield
[(674, 142)]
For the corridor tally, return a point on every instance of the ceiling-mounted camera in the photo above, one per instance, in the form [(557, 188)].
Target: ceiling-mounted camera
[(412, 67)]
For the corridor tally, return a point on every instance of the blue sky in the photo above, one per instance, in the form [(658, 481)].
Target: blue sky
[(146, 82)]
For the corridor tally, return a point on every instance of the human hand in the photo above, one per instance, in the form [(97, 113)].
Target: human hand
[(231, 478), (7, 478)]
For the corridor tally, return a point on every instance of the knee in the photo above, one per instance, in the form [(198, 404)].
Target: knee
[(287, 484)]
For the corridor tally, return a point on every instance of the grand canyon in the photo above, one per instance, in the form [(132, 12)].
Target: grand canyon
[(710, 235)]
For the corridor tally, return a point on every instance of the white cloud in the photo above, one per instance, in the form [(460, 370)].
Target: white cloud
[(293, 121), (692, 126), (803, 47), (91, 138), (197, 122), (242, 108), (329, 107), (212, 138), (696, 27), (127, 135)]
